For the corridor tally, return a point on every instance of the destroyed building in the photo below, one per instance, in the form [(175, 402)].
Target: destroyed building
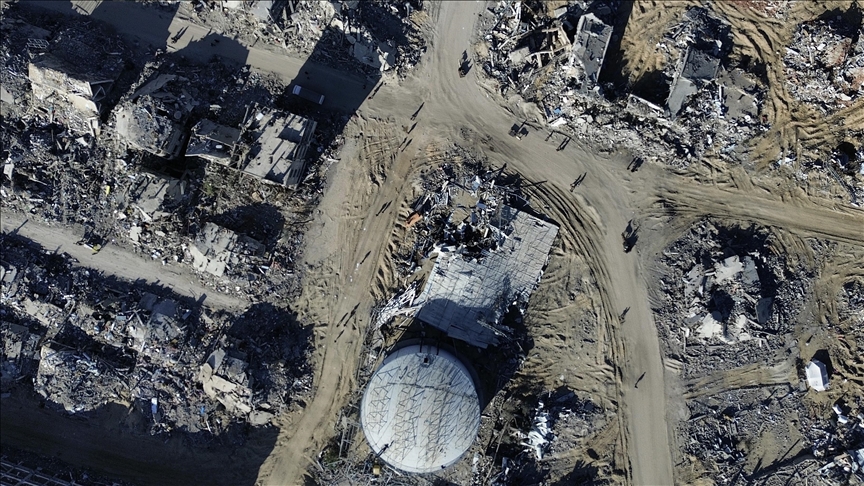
[(468, 293), (72, 76), (525, 44), (589, 50), (155, 195), (213, 142), (707, 40), (735, 299), (153, 118), (224, 378), (270, 145), (824, 64), (116, 341), (217, 249)]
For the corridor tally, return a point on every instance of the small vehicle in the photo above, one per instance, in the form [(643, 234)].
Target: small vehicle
[(308, 94)]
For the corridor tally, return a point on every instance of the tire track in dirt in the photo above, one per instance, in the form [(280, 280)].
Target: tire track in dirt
[(844, 224), (580, 233), (649, 20), (337, 292), (750, 376)]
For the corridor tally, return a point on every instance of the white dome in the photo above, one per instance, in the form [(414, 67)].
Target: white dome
[(420, 412)]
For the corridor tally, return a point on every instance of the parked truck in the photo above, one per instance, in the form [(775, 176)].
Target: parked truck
[(308, 94)]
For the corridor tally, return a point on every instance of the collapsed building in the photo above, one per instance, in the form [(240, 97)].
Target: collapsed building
[(589, 51), (154, 196), (114, 341), (707, 39), (733, 300), (216, 249), (471, 289), (270, 145), (824, 64), (72, 76), (153, 117), (525, 45)]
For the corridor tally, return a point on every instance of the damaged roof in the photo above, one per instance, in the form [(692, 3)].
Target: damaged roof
[(466, 298)]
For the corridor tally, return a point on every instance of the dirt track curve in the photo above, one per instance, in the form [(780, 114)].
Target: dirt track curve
[(351, 237)]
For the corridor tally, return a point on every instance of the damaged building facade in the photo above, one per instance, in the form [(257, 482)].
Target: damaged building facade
[(270, 145), (154, 117), (72, 76)]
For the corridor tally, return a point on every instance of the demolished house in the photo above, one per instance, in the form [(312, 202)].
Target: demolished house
[(153, 195), (468, 293), (824, 64), (213, 142), (73, 75), (276, 152), (153, 118), (589, 50), (217, 248), (701, 61), (489, 251), (121, 342)]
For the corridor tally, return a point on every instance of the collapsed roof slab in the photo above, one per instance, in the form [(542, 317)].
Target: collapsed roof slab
[(589, 47), (467, 298), (213, 142), (283, 142)]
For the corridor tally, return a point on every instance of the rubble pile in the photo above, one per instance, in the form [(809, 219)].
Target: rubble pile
[(60, 71), (728, 300), (538, 433), (457, 209), (382, 35), (117, 186), (851, 306), (723, 432), (825, 63), (560, 424), (701, 103), (99, 340)]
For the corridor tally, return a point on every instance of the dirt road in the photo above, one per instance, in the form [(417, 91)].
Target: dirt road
[(347, 261), (113, 260)]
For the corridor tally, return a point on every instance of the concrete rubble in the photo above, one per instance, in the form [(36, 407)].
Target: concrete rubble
[(85, 340), (824, 64), (382, 35), (153, 118), (273, 146), (728, 299), (132, 182), (703, 101), (729, 307), (72, 77), (719, 428)]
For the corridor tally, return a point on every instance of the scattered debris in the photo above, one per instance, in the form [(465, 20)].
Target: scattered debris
[(88, 340), (825, 62)]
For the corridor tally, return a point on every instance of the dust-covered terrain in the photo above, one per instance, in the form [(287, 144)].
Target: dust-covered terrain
[(698, 319)]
